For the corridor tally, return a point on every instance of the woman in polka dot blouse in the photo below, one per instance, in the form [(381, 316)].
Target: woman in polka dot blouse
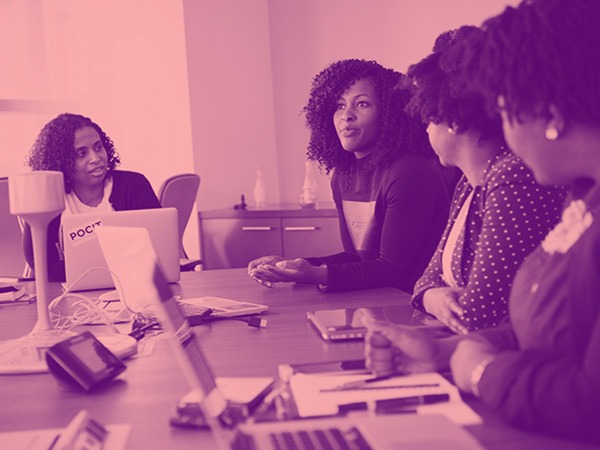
[(499, 213)]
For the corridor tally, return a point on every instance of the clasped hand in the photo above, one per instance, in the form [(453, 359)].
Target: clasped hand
[(443, 304), (392, 348), (273, 269)]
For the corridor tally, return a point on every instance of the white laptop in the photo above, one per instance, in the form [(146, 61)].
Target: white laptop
[(380, 432), (82, 251)]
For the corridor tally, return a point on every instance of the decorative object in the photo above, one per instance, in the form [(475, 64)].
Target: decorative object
[(551, 133), (259, 191), (575, 220), (308, 197), (37, 197)]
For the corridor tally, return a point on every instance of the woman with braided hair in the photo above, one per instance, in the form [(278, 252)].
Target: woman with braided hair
[(387, 185)]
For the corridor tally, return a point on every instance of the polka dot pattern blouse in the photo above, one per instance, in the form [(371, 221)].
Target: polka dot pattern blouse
[(509, 216)]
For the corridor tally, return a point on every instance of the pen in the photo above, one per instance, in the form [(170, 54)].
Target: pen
[(267, 402), (395, 405), (391, 405), (359, 383), (363, 387), (380, 378)]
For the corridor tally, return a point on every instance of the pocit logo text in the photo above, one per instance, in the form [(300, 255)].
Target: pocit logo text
[(82, 232)]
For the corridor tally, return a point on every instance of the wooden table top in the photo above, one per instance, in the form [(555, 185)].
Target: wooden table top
[(146, 393)]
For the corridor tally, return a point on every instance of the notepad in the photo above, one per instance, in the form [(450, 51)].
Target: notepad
[(320, 394)]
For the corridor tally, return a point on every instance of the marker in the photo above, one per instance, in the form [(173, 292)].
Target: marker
[(395, 405)]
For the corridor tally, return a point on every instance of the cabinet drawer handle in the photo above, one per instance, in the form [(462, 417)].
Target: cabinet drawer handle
[(300, 228), (257, 228)]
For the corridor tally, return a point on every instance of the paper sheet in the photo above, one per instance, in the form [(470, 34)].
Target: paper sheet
[(235, 389), (42, 439), (318, 394)]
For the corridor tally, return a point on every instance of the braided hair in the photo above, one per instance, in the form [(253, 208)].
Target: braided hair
[(443, 90), (540, 54), (54, 149), (400, 134)]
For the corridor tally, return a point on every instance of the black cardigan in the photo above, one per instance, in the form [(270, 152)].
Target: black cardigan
[(131, 190)]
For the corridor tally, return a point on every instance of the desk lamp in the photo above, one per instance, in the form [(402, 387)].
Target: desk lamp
[(37, 197)]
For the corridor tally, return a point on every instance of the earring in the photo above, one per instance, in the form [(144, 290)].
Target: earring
[(551, 133), (451, 130)]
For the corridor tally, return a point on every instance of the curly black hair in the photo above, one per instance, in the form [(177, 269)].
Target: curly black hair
[(54, 149), (540, 54), (443, 90), (400, 133)]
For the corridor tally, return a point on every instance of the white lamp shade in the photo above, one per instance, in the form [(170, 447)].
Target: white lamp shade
[(40, 191)]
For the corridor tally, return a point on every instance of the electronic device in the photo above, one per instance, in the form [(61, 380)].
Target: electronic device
[(83, 361), (82, 251), (344, 324), (220, 307), (379, 432)]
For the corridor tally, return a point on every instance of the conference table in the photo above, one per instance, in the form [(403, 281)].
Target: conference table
[(145, 395)]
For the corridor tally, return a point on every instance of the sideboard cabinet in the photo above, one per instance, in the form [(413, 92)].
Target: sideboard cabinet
[(232, 238)]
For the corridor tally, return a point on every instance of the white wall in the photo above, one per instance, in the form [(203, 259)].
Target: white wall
[(307, 36), (120, 62), (231, 89), (214, 87), (251, 64)]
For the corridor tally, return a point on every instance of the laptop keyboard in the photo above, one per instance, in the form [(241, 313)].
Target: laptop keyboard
[(319, 439), (190, 309)]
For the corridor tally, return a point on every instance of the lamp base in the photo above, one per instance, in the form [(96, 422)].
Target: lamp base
[(28, 353)]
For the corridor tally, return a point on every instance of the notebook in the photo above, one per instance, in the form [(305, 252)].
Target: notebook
[(82, 251), (379, 432)]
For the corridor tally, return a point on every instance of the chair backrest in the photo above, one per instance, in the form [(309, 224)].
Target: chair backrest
[(12, 260), (179, 191)]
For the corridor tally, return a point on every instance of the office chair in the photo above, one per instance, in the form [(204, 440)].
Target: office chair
[(12, 260), (179, 191)]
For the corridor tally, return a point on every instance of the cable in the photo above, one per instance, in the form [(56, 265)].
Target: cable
[(82, 310), (252, 321), (85, 310)]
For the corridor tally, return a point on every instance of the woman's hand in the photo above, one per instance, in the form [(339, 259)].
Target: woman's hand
[(443, 304), (468, 354), (255, 264), (392, 348), (274, 269), (270, 260)]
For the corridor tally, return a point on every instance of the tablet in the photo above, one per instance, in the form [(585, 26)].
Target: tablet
[(344, 324)]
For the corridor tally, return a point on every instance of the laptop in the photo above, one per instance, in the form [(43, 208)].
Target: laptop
[(345, 324), (220, 307), (82, 251), (379, 432)]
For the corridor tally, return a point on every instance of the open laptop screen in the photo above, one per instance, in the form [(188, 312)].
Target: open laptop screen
[(140, 281)]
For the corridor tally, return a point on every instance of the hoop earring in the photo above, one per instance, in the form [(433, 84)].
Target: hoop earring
[(551, 133)]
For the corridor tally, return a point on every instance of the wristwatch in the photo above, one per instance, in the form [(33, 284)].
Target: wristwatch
[(477, 373)]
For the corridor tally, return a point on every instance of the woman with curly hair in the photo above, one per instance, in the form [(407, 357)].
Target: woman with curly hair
[(538, 64), (81, 150), (499, 213), (388, 189)]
